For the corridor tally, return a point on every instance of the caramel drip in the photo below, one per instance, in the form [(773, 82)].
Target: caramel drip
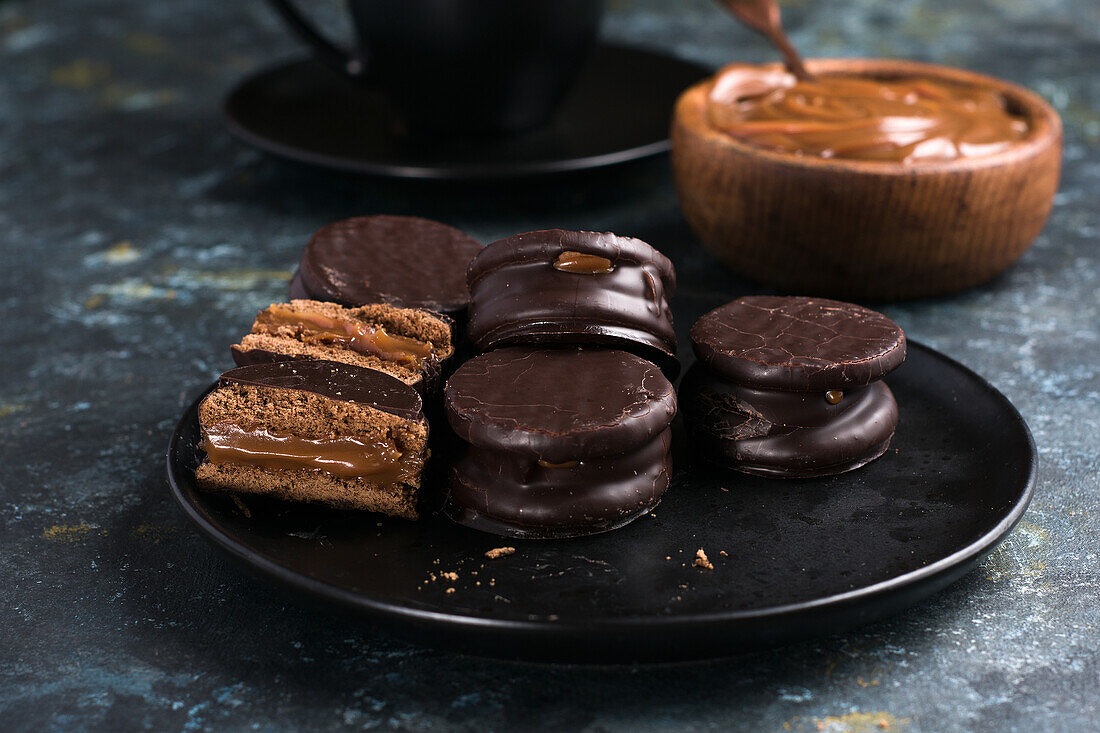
[(379, 460), (903, 120), (362, 338), (582, 264), (567, 464)]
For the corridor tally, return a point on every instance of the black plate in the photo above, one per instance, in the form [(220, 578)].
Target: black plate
[(803, 557), (619, 110)]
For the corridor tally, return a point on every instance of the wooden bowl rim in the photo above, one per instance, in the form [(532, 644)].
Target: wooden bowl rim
[(1043, 120)]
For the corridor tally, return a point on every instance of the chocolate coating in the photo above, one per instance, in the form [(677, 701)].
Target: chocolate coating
[(561, 442), (786, 434), (797, 344), (335, 381), (517, 295), (400, 260), (559, 405), (511, 494)]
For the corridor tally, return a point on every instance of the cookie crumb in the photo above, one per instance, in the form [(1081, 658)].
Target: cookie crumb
[(450, 590), (450, 575), (496, 552), (241, 506), (723, 553), (883, 723), (701, 560)]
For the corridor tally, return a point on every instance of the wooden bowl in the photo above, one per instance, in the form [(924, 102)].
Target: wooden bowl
[(867, 230)]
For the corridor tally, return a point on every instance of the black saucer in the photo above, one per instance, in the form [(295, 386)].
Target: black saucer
[(618, 111), (803, 557)]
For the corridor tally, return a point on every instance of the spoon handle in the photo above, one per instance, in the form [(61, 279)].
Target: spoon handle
[(763, 17)]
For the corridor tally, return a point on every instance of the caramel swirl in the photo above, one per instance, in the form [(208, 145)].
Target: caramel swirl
[(360, 337), (379, 460), (912, 120)]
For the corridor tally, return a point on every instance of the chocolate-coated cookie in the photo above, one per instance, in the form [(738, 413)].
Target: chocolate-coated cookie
[(400, 260), (797, 344), (315, 431), (789, 386), (411, 344), (560, 442)]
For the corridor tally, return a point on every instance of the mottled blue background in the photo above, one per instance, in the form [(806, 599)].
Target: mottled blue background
[(138, 239)]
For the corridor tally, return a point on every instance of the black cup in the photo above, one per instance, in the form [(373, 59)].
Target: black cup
[(464, 67)]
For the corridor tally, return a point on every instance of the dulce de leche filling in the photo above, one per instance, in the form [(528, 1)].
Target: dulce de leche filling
[(379, 461), (582, 264), (360, 337), (909, 120)]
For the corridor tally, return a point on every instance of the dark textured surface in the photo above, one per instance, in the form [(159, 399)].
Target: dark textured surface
[(138, 240)]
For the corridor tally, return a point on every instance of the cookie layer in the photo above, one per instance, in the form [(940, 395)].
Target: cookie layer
[(407, 343)]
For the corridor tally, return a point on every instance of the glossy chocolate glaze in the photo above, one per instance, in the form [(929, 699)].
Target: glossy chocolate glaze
[(797, 344), (910, 120), (786, 434), (335, 381), (560, 442), (507, 493), (400, 260), (559, 405), (519, 295)]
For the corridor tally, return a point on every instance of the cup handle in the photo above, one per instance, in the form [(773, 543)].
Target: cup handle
[(345, 62)]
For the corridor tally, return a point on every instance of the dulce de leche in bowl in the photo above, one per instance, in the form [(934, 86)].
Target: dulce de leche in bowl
[(876, 179)]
